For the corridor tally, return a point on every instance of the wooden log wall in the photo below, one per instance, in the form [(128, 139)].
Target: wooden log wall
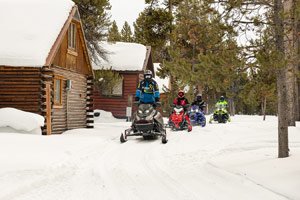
[(23, 88), (90, 103), (73, 112), (117, 105), (47, 77)]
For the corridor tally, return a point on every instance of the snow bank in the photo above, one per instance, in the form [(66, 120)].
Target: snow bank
[(29, 29), (123, 56), (105, 117), (14, 120)]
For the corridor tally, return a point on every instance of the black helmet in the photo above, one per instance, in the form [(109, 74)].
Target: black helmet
[(147, 75), (199, 97), (222, 98)]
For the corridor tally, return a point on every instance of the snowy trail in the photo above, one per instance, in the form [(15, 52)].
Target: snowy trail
[(205, 164)]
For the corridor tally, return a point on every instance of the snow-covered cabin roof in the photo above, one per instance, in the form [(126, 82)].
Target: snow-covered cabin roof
[(123, 56), (29, 28), (161, 82)]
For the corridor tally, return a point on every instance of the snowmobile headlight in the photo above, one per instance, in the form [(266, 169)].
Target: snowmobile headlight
[(140, 111), (197, 110), (147, 111)]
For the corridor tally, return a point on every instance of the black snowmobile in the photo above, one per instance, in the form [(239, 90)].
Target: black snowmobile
[(147, 122)]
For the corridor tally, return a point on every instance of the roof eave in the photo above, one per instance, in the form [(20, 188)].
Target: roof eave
[(55, 47)]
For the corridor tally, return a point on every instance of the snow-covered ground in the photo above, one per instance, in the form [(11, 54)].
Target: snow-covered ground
[(234, 161)]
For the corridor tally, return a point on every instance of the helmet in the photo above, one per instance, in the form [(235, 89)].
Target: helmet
[(222, 98), (199, 97), (147, 75), (180, 94)]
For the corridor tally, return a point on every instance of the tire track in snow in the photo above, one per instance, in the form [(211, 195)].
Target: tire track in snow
[(59, 176), (280, 195), (143, 179)]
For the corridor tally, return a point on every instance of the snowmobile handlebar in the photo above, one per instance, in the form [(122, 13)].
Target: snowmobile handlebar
[(174, 105), (137, 103)]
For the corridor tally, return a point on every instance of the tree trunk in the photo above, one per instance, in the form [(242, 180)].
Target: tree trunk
[(283, 149), (291, 58), (171, 30), (297, 84), (264, 108), (296, 99), (232, 107)]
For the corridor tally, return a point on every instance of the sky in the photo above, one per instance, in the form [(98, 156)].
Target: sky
[(126, 10)]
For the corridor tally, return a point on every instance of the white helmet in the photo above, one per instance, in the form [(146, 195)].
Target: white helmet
[(147, 74)]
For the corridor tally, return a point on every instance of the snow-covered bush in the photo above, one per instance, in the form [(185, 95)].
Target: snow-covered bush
[(105, 117)]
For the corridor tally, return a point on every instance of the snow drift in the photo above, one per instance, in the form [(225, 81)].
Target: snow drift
[(17, 121)]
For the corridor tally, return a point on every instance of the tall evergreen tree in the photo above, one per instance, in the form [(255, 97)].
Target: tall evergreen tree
[(96, 20), (113, 33), (204, 54), (126, 33), (152, 28)]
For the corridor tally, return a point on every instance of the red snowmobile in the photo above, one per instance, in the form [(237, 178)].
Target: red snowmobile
[(179, 119)]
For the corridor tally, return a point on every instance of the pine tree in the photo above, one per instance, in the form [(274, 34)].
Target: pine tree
[(204, 54), (152, 28), (113, 33), (106, 79), (126, 33), (95, 20)]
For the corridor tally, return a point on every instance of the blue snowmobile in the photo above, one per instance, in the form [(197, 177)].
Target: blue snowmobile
[(196, 116)]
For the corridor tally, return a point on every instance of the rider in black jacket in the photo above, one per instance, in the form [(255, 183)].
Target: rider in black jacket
[(199, 102)]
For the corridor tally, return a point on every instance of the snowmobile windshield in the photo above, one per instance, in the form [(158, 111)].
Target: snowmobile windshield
[(178, 110), (145, 109), (220, 106), (194, 108)]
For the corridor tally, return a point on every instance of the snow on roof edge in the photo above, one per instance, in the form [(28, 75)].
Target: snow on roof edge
[(123, 56), (29, 43)]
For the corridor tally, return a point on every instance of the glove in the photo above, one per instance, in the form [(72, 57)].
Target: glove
[(137, 99), (156, 99)]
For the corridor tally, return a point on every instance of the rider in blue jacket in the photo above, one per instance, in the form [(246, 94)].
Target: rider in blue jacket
[(147, 91)]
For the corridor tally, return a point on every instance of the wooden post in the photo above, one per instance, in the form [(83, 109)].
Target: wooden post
[(48, 108), (129, 108)]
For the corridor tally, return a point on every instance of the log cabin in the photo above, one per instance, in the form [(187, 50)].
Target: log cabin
[(130, 60), (44, 64)]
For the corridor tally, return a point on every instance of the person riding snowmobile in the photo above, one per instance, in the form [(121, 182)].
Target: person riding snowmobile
[(222, 102), (199, 102), (147, 91), (147, 121), (181, 100)]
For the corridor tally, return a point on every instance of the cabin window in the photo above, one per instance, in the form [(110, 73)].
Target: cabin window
[(72, 37), (115, 91), (57, 90)]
